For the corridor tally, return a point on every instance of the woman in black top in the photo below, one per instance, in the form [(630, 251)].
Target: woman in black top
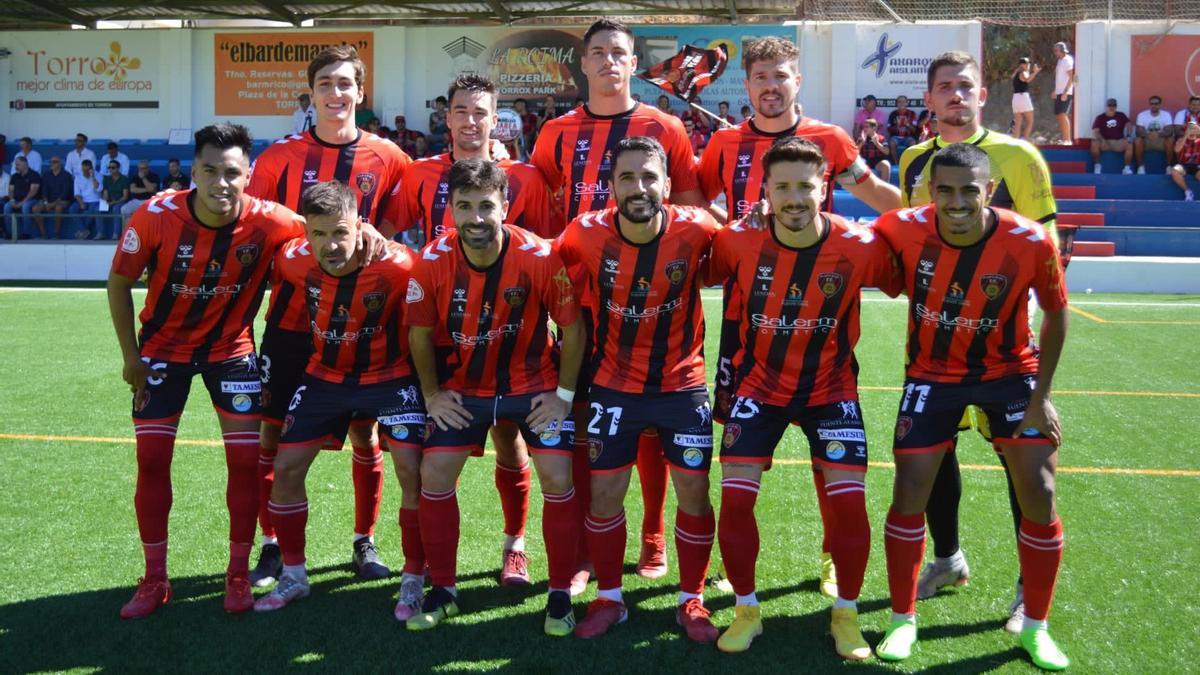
[(1022, 103)]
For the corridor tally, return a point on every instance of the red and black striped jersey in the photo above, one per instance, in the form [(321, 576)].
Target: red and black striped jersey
[(205, 284), (1190, 152), (423, 198), (799, 318), (968, 310), (732, 162), (574, 153), (649, 333), (371, 165), (358, 335), (491, 326)]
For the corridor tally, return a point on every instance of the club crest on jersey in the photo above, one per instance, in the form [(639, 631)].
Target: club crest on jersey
[(374, 301), (733, 432), (676, 271), (288, 423), (830, 283), (993, 285), (903, 426), (595, 448), (247, 254), (515, 297), (131, 243), (415, 292), (366, 182)]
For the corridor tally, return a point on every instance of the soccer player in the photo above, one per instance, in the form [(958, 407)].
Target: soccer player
[(206, 251), (730, 166), (358, 367), (332, 149), (575, 154), (642, 259), (968, 269), (956, 95), (478, 309), (423, 198), (797, 285)]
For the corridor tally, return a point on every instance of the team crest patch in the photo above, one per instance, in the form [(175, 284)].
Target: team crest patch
[(131, 243), (830, 283), (993, 285), (732, 433), (374, 300), (415, 292), (676, 271), (140, 402), (595, 448), (247, 254), (288, 422), (515, 297), (903, 426), (365, 182)]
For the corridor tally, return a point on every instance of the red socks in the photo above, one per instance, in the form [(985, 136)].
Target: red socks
[(513, 486), (849, 534), (410, 542), (738, 532), (606, 541), (560, 530), (581, 477), (904, 543), (290, 521), (826, 516), (152, 496), (266, 481), (693, 544), (367, 472), (652, 474), (439, 534), (241, 495), (1040, 549)]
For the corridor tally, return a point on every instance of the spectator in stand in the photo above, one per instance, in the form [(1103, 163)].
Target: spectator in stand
[(529, 121), (115, 192), (87, 198), (869, 110), (421, 148), (1153, 133), (1022, 102), (1187, 150), (32, 157), (723, 113), (746, 112), (1110, 130), (404, 137), (374, 126), (175, 178), (549, 112), (1064, 90), (115, 155), (1186, 116), (363, 114), (142, 187), (699, 120), (873, 148), (4, 182), (80, 153), (928, 125), (902, 128), (58, 191), (698, 138), (663, 103), (23, 188), (305, 116), (439, 131)]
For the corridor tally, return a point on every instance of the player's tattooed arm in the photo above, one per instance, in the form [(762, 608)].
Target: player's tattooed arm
[(1041, 414), (442, 406), (120, 304)]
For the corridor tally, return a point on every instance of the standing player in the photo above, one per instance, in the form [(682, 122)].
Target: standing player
[(207, 251), (642, 259), (358, 368), (798, 285), (956, 95), (423, 199), (333, 149), (968, 270), (575, 154), (730, 166), (478, 309)]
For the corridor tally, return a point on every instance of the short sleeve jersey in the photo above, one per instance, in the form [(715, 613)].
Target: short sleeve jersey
[(649, 322), (1021, 175), (423, 198), (800, 308), (732, 162), (370, 165), (574, 153), (358, 336), (968, 310), (491, 326), (205, 284)]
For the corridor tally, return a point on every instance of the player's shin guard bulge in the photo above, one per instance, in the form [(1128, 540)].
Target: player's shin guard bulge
[(560, 530), (439, 534), (241, 495), (851, 536), (904, 544), (152, 496), (738, 532), (367, 473)]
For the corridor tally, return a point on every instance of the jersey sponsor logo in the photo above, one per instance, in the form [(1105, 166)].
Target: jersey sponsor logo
[(403, 418), (399, 431), (340, 314), (415, 292), (566, 289), (310, 176), (943, 320), (374, 301), (241, 387), (733, 431), (1014, 417), (704, 412), (242, 403), (903, 426), (409, 395), (956, 296), (743, 161), (993, 285), (131, 242), (765, 273), (693, 441), (585, 189), (247, 254), (676, 271), (611, 265), (488, 336), (852, 435), (849, 409), (336, 335), (783, 324), (515, 296), (184, 251), (205, 291), (366, 182), (835, 450), (830, 283), (636, 314), (314, 292), (693, 457)]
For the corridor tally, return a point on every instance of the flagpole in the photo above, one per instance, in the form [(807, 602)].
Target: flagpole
[(724, 122)]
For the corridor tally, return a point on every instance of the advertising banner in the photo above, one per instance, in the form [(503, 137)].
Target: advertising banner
[(893, 59), (90, 70), (1166, 66)]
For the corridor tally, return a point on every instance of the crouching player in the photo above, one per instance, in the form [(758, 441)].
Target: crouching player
[(968, 269), (798, 284), (359, 366), (478, 309)]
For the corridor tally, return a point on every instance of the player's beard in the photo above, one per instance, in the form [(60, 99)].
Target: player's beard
[(478, 236), (795, 217), (640, 213), (781, 109)]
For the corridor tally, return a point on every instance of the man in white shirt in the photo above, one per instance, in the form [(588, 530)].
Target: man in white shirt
[(1064, 90), (87, 198), (303, 119), (1153, 133), (115, 155), (32, 156), (76, 156)]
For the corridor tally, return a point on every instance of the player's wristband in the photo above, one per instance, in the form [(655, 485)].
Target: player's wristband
[(565, 394)]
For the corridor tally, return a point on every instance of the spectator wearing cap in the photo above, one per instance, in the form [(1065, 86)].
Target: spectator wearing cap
[(32, 157), (902, 128), (304, 118), (115, 155), (874, 150), (80, 153), (1109, 132), (58, 192), (1153, 133), (24, 186), (1064, 90), (869, 110)]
